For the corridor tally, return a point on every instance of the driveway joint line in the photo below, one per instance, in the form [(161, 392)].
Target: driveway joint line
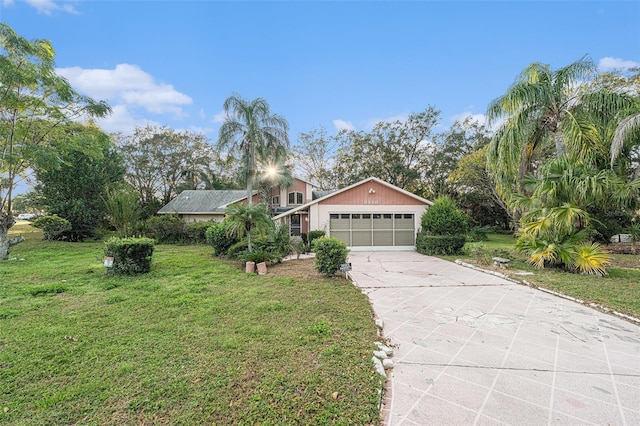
[(536, 370)]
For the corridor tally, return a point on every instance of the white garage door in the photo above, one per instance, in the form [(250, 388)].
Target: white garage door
[(373, 229)]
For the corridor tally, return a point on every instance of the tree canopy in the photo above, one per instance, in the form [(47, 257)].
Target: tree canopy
[(36, 104), (255, 134)]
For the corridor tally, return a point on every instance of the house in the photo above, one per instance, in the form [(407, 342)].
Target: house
[(370, 214)]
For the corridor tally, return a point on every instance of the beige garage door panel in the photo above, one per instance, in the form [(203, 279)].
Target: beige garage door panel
[(373, 229)]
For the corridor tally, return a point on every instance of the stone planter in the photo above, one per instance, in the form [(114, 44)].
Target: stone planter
[(250, 267), (262, 268)]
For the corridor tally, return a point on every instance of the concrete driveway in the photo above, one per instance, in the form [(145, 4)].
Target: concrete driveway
[(471, 348)]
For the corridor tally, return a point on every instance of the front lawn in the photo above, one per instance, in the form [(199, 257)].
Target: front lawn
[(196, 341), (620, 290)]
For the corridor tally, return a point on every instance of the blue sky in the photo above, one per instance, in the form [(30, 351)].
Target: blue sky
[(319, 64)]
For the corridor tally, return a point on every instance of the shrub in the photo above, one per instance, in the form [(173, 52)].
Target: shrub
[(330, 254), (53, 226), (196, 232), (238, 249), (219, 238), (168, 228), (130, 255), (280, 240), (444, 218), (314, 235), (258, 256), (439, 244)]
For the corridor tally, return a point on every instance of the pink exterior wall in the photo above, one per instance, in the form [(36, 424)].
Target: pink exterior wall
[(372, 193)]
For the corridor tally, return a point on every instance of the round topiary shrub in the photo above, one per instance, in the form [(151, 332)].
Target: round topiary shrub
[(53, 226), (444, 218), (444, 229), (330, 254)]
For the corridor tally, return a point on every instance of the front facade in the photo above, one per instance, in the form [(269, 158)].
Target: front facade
[(368, 215)]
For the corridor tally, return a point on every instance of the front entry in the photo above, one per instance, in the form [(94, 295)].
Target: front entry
[(295, 225)]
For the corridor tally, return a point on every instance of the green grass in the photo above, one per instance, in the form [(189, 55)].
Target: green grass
[(620, 290), (195, 341)]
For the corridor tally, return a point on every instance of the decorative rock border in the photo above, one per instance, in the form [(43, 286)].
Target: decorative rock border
[(596, 306)]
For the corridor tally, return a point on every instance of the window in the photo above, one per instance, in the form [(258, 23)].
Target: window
[(275, 201), (295, 198)]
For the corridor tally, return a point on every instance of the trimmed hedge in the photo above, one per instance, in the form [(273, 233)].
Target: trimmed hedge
[(166, 229), (330, 254), (196, 232), (130, 255), (439, 244)]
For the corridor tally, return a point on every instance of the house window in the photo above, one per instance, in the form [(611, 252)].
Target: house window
[(295, 198), (275, 201)]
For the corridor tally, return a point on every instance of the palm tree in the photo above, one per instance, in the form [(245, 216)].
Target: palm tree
[(255, 134), (242, 219), (537, 108)]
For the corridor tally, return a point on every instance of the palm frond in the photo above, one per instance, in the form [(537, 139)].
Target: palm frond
[(591, 259), (626, 126)]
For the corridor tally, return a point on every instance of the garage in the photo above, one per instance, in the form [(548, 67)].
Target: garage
[(368, 215), (373, 229)]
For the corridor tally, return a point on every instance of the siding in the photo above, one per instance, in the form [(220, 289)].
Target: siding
[(382, 195)]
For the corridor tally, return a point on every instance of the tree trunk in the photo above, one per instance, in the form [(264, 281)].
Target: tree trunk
[(561, 147), (6, 222)]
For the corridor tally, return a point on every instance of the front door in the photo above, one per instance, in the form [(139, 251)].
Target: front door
[(295, 224)]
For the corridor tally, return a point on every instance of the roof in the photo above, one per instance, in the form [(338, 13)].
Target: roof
[(320, 194), (203, 201), (347, 188)]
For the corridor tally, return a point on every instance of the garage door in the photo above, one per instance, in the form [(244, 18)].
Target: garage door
[(373, 229)]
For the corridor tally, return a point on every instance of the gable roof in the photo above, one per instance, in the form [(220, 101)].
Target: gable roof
[(202, 201), (321, 193), (347, 188)]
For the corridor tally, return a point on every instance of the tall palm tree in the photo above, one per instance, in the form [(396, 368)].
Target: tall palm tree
[(254, 133), (537, 109)]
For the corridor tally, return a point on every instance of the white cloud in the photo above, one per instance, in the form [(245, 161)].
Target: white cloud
[(121, 120), (127, 85), (609, 64), (219, 117), (343, 125), (46, 7), (477, 118)]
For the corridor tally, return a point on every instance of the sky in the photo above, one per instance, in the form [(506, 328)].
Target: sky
[(320, 64)]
